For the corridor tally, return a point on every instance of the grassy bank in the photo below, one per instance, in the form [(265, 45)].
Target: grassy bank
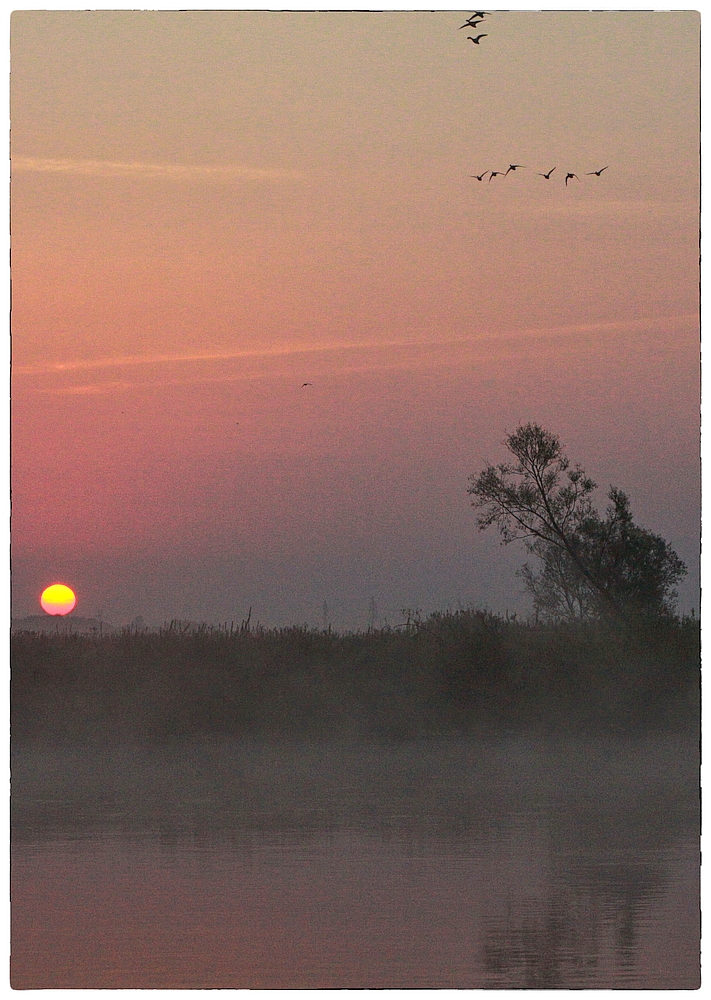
[(447, 673)]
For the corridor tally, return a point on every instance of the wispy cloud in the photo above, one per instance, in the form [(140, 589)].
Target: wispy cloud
[(642, 325), (149, 171), (616, 326), (130, 360), (96, 388), (593, 209), (104, 388)]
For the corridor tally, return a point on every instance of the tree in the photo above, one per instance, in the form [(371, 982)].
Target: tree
[(558, 589), (591, 565)]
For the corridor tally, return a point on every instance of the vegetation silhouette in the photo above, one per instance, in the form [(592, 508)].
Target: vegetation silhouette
[(451, 672), (603, 651), (592, 566)]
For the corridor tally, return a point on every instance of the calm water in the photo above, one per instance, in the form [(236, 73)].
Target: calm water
[(480, 863)]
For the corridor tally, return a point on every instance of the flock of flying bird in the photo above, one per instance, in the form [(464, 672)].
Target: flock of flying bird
[(474, 19), (519, 166)]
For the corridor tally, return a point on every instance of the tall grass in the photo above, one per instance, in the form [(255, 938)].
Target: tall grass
[(448, 672)]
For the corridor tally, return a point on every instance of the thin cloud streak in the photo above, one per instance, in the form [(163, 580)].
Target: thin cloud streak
[(624, 326), (589, 208), (159, 359), (95, 389), (150, 171)]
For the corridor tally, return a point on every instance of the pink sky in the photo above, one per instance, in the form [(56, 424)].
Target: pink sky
[(211, 208)]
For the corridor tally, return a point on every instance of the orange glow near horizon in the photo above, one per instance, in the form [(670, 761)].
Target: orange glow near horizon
[(58, 599)]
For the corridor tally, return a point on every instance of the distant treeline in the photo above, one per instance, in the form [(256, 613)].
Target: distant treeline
[(448, 672)]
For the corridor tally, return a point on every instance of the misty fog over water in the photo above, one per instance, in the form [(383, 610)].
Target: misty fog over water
[(479, 861), (305, 725)]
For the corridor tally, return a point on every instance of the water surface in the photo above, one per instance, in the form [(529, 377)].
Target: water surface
[(470, 863)]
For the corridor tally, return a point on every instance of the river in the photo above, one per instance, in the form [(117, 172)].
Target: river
[(487, 862)]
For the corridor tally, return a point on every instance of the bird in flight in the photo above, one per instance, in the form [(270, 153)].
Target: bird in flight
[(548, 175), (596, 172), (477, 39), (514, 166), (479, 13), (480, 177), (569, 177), (471, 23), (496, 173), (306, 383)]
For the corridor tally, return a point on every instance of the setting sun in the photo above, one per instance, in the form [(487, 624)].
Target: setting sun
[(58, 599)]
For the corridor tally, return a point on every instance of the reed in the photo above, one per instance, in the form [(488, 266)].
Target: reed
[(450, 671)]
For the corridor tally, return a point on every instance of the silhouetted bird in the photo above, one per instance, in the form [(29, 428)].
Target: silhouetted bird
[(479, 13), (470, 24), (569, 177), (514, 166), (306, 383), (480, 177), (596, 172), (477, 39), (548, 175), (496, 173)]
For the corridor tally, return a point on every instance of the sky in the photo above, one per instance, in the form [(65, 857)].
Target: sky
[(210, 208)]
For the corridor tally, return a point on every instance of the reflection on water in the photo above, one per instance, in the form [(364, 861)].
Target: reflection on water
[(430, 864), (593, 931)]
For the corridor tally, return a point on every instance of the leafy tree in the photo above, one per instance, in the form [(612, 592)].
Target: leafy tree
[(591, 565)]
